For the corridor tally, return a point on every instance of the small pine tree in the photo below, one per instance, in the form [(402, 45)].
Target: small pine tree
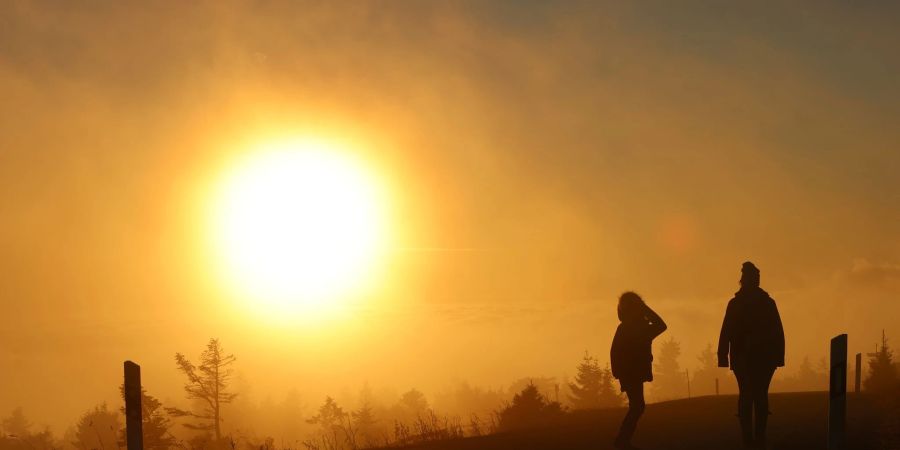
[(882, 372), (593, 387), (98, 429), (703, 380), (411, 406), (609, 395), (414, 402), (529, 409), (330, 415), (669, 379), (154, 422), (16, 424), (364, 421), (587, 385), (546, 386), (16, 433)]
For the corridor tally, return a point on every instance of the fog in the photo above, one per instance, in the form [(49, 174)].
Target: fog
[(543, 160)]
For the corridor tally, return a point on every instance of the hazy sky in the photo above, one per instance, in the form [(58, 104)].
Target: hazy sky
[(558, 154)]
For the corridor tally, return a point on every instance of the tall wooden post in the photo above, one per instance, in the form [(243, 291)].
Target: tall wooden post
[(837, 398), (687, 376), (856, 384), (133, 420)]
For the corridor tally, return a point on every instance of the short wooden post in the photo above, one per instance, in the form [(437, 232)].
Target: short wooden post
[(133, 420), (856, 384), (837, 398), (717, 386)]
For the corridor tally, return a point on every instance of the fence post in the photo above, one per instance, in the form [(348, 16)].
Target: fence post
[(858, 372), (837, 394), (133, 416), (687, 376)]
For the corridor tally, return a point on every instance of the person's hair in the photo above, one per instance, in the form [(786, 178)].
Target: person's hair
[(629, 306)]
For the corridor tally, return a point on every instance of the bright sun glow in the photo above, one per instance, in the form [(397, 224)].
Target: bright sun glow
[(299, 225)]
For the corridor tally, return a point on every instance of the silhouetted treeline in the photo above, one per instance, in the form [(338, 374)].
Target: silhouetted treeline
[(18, 433), (229, 418)]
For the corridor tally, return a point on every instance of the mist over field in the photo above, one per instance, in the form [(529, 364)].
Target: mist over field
[(540, 160)]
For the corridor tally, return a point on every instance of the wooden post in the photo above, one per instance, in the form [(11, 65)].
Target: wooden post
[(856, 384), (133, 420), (717, 386), (687, 376), (837, 398)]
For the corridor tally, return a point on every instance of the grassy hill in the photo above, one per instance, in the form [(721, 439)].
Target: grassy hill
[(798, 421)]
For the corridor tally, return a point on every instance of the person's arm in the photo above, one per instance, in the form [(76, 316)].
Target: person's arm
[(725, 337), (779, 335), (657, 326)]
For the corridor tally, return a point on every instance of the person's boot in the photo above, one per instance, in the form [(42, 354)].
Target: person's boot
[(759, 432)]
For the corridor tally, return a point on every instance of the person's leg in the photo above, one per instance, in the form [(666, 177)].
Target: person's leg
[(761, 402), (745, 404), (635, 393)]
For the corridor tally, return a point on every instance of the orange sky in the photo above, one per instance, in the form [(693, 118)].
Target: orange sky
[(549, 157)]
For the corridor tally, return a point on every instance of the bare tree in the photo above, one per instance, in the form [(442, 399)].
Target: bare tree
[(207, 382)]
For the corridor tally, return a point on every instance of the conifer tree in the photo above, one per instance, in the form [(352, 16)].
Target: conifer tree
[(882, 372), (97, 429), (364, 420), (16, 424), (609, 393), (414, 402), (669, 380), (529, 409), (593, 387), (587, 385), (703, 379), (154, 422), (331, 420)]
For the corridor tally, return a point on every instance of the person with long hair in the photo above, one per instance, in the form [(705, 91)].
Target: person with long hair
[(752, 344), (631, 358)]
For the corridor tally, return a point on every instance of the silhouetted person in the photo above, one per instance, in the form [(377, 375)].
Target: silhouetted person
[(752, 339), (631, 358)]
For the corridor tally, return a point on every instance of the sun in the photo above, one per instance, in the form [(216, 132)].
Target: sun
[(298, 225)]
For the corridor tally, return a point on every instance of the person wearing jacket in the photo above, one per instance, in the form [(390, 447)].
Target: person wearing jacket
[(752, 344), (631, 358)]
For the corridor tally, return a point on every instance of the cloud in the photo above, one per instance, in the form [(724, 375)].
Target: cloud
[(866, 272)]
